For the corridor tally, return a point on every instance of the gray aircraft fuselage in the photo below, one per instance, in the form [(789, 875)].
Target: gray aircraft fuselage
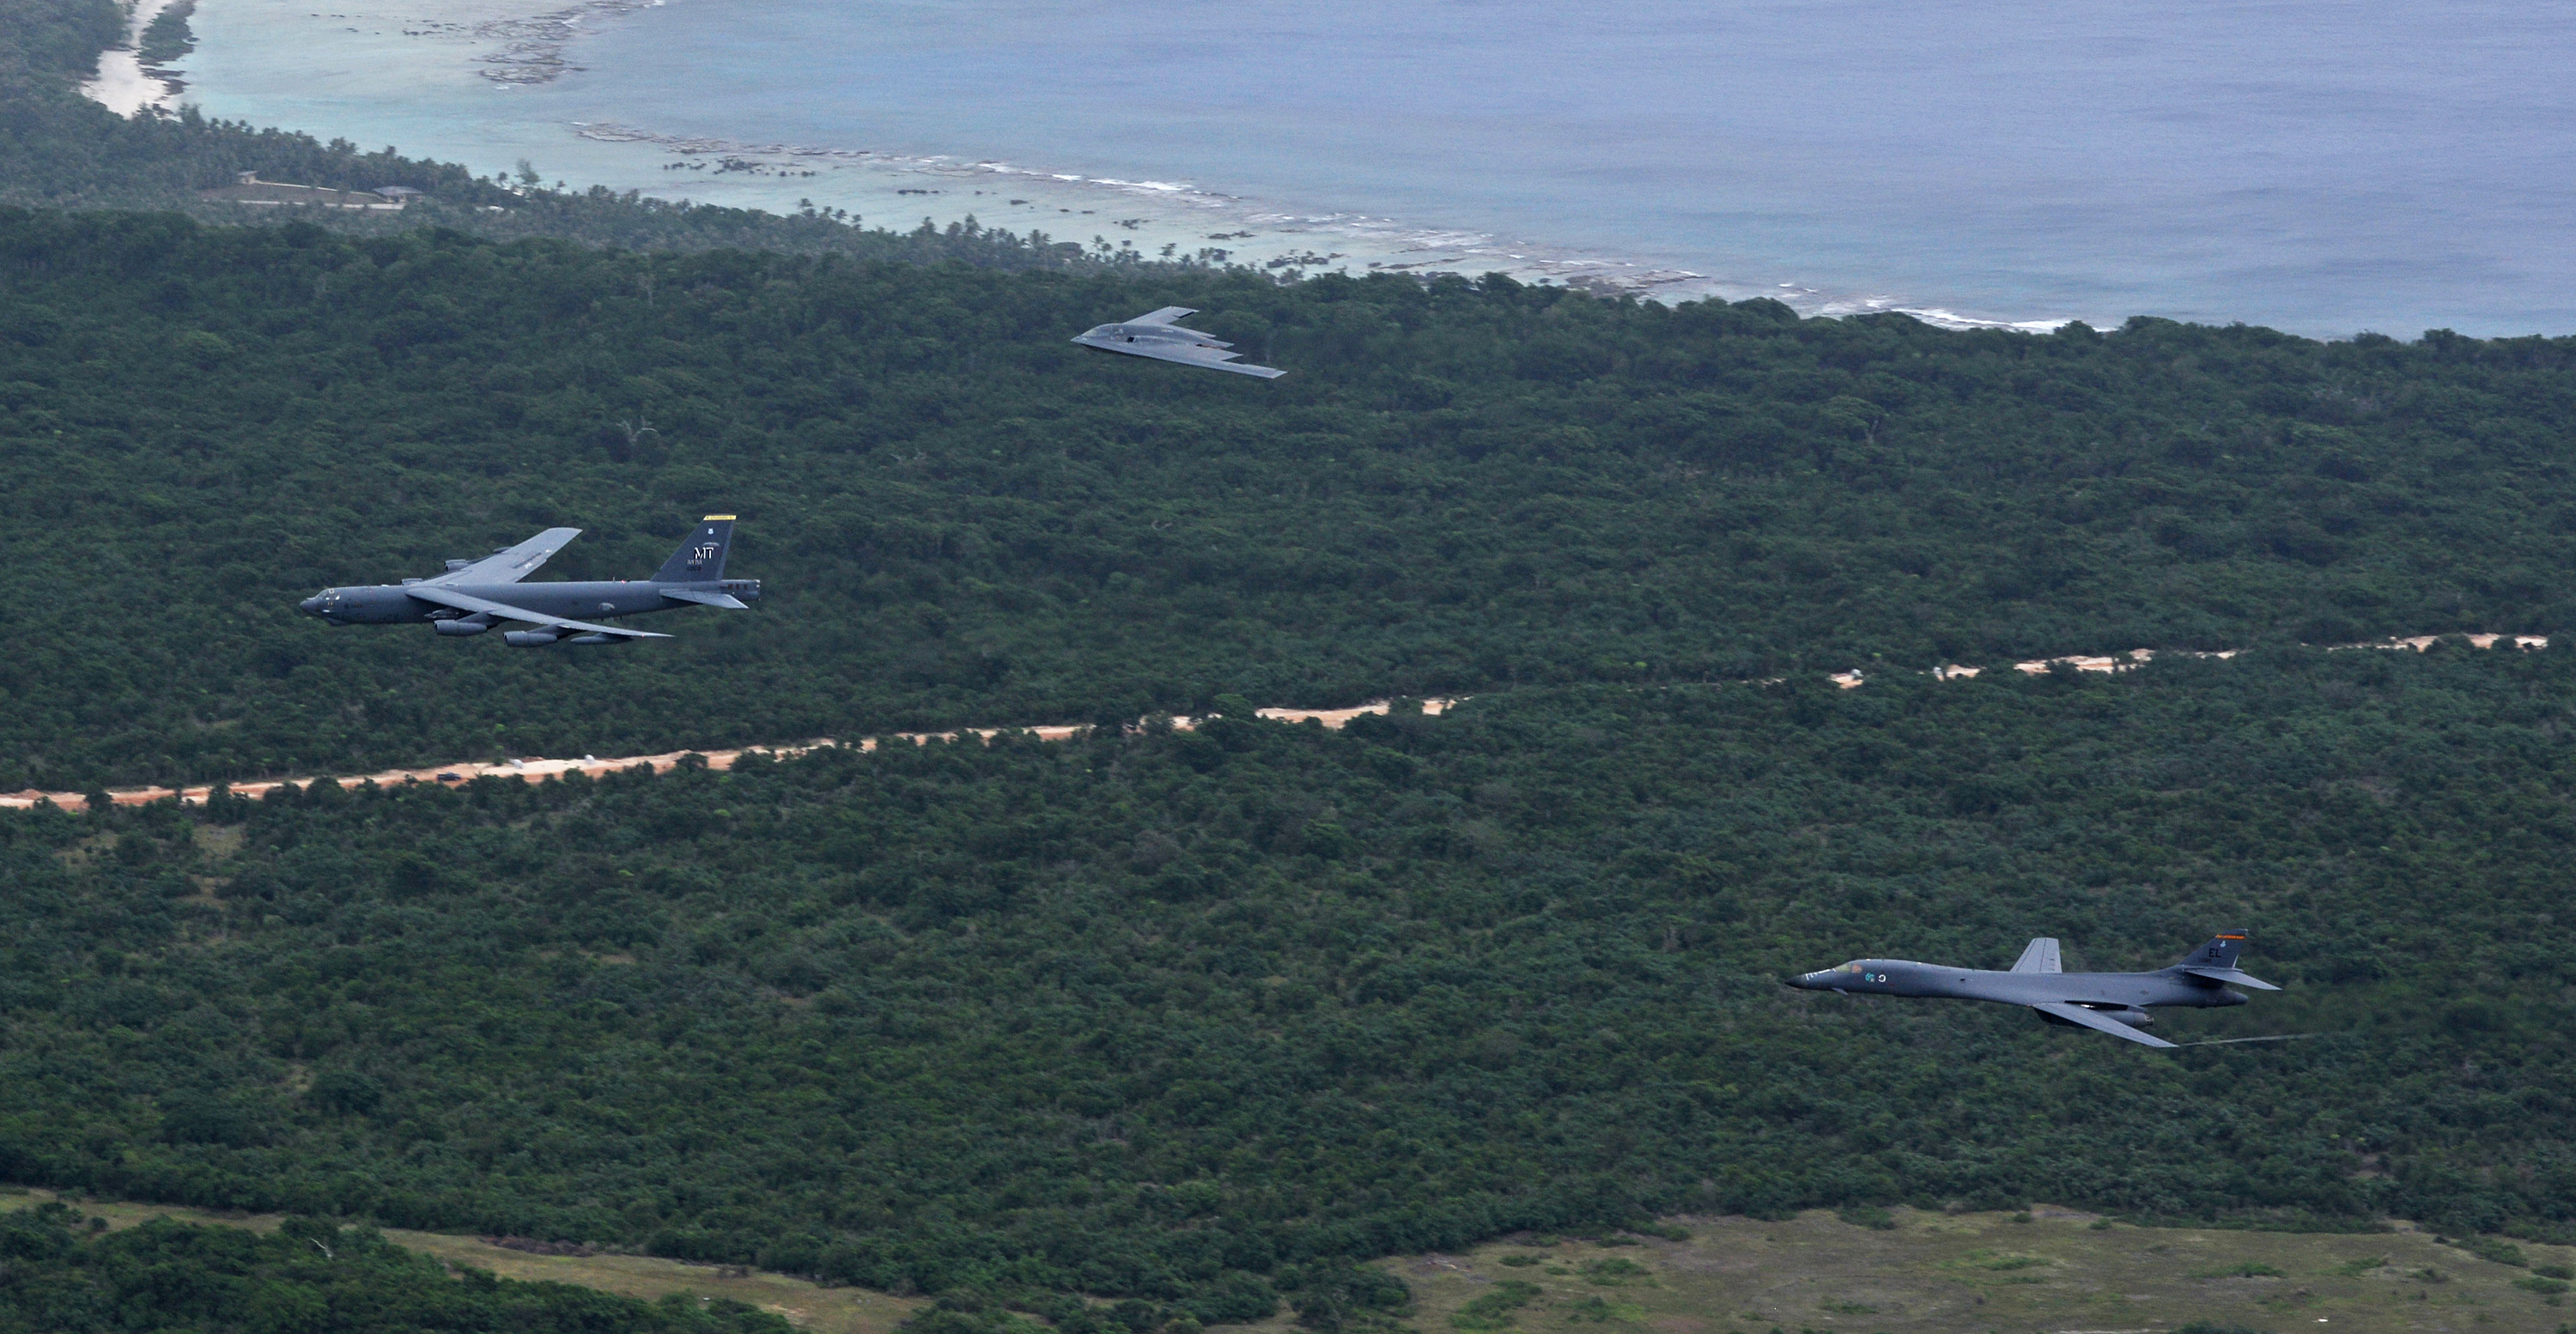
[(1145, 333), (387, 604), (1904, 977), (1159, 335), (2113, 1003), (475, 596)]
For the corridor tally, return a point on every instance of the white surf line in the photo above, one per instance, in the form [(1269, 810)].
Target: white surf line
[(534, 50), (538, 770), (123, 85)]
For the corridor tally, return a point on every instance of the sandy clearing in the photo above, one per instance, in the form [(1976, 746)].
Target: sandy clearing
[(2050, 1268), (2133, 657), (538, 770), (805, 1304), (541, 769)]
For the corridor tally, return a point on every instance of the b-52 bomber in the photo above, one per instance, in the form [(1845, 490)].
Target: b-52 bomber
[(2113, 1003), (473, 596), (1159, 335)]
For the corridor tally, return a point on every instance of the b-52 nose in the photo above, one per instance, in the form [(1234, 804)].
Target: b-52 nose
[(311, 606)]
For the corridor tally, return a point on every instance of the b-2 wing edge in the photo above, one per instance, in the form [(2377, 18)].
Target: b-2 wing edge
[(1192, 355), (1167, 315), (509, 565), (448, 597), (2077, 1014)]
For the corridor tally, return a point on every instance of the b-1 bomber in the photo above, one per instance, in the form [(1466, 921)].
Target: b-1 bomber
[(2113, 1003)]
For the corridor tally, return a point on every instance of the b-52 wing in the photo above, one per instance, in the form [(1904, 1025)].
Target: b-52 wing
[(2078, 1015), (509, 565), (448, 597)]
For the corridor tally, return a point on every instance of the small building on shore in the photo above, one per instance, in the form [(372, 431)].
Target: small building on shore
[(248, 189)]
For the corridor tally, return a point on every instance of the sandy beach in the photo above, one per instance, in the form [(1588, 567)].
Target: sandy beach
[(123, 85)]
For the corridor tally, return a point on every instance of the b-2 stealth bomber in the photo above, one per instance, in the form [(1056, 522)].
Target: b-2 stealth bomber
[(1159, 335), (473, 596), (2113, 1003)]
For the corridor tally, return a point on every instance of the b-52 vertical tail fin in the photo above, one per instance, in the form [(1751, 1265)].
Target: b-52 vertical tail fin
[(702, 557)]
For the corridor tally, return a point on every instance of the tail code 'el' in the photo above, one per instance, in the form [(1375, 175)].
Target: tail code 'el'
[(702, 557), (2220, 952)]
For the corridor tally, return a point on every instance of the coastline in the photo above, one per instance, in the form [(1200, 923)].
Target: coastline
[(1252, 232), (494, 83), (123, 84)]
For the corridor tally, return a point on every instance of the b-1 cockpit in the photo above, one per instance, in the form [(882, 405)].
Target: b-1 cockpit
[(1859, 972)]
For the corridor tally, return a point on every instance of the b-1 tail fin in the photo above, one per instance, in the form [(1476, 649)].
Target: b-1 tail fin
[(2040, 956), (701, 559), (2216, 962), (2220, 952)]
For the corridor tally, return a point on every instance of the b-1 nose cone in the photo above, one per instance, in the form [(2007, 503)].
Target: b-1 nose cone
[(1801, 981)]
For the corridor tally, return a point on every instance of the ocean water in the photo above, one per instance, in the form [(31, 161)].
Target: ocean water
[(2320, 167)]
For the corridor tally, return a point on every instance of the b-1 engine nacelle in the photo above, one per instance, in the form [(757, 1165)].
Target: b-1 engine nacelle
[(2127, 1014)]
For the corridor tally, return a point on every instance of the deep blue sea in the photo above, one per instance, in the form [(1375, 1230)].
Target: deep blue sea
[(2325, 168)]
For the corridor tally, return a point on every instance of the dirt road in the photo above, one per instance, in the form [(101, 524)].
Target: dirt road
[(539, 769)]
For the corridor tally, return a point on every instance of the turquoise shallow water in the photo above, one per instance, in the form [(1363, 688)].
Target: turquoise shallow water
[(2320, 167)]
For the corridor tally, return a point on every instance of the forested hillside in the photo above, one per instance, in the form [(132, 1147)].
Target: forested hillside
[(1178, 1017), (963, 519), (1147, 1031)]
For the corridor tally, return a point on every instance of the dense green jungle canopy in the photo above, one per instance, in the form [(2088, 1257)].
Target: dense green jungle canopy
[(963, 519), (1190, 1021), (58, 1278), (1170, 1016)]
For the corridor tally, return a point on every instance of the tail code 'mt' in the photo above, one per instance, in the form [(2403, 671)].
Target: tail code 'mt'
[(702, 557)]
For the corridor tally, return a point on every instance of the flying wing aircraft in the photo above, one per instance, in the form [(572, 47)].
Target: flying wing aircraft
[(2113, 1003), (1159, 335), (472, 596)]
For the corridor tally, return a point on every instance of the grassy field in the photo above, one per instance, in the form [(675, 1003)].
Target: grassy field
[(820, 1309), (1934, 1273), (2056, 1271)]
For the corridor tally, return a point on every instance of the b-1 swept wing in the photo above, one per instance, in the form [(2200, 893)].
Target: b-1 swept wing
[(474, 595), (2113, 1003), (1159, 335)]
